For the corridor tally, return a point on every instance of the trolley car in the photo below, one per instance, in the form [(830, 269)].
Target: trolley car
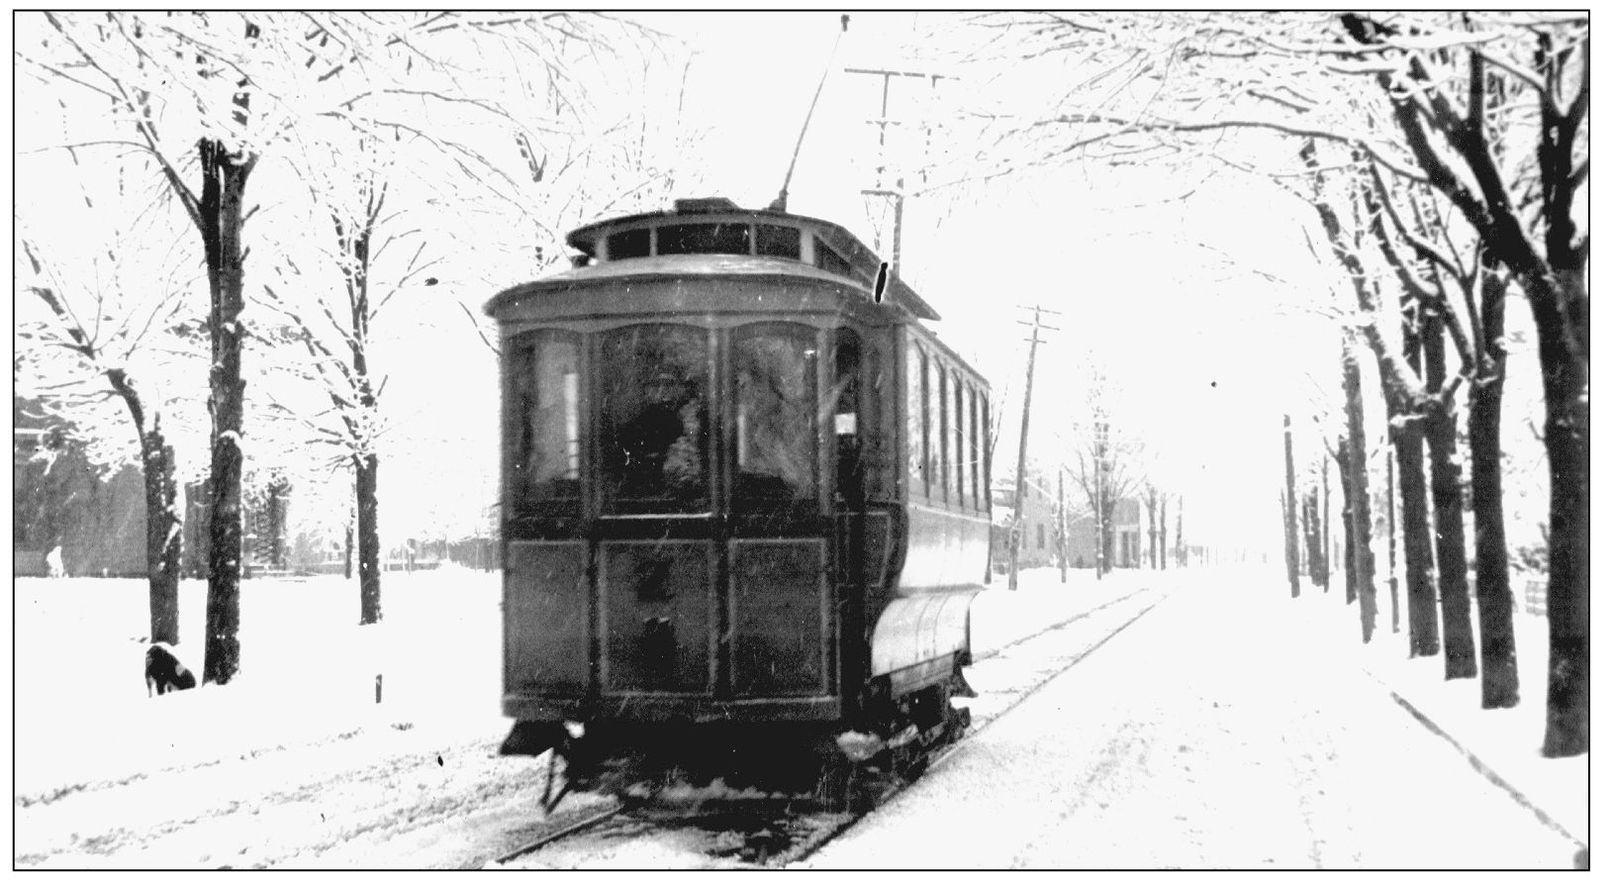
[(746, 493)]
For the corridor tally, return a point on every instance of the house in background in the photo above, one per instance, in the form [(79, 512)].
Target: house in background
[(1128, 532), (1038, 546)]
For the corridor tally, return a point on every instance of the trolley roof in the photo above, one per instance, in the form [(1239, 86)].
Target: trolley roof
[(826, 250)]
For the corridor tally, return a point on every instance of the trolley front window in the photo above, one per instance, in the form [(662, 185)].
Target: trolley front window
[(546, 460), (704, 239), (774, 377), (654, 419)]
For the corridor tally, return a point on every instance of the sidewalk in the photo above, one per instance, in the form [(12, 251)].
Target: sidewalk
[(1502, 744)]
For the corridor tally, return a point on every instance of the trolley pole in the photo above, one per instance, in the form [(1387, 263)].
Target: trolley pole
[(1017, 529)]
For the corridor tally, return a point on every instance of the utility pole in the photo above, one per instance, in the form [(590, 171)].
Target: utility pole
[(1063, 533), (1024, 442), (897, 196)]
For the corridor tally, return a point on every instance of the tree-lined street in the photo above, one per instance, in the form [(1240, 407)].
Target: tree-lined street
[(1304, 291)]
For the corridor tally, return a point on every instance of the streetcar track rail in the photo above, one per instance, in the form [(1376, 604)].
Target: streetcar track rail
[(997, 651), (551, 836)]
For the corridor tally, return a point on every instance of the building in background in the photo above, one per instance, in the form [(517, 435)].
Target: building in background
[(70, 517), (1039, 545)]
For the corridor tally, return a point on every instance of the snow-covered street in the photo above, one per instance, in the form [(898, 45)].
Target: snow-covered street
[(1220, 726), (1207, 735)]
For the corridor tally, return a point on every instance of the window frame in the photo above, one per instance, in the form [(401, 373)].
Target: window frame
[(808, 335), (974, 444), (956, 407), (917, 417), (610, 503), (943, 462), (520, 490)]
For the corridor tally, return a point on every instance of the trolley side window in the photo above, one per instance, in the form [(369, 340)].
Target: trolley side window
[(878, 439), (974, 446), (936, 378), (775, 413), (546, 460), (985, 451), (956, 439), (829, 259), (917, 418), (654, 419)]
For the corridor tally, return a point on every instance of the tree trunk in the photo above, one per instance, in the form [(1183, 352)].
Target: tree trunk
[(1421, 602), (1567, 437), (224, 177), (1351, 580), (1164, 532), (369, 540), (1455, 606), (278, 500), (1326, 524), (164, 525), (163, 535), (1393, 564), (1289, 528), (1497, 642), (1360, 508), (1180, 547), (1153, 529), (1312, 537)]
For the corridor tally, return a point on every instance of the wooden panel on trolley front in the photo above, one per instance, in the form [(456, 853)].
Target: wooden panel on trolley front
[(659, 616), (781, 627), (546, 617)]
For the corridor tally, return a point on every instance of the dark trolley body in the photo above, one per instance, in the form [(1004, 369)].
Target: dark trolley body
[(744, 490)]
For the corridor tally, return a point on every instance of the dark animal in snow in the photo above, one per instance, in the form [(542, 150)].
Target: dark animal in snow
[(164, 671)]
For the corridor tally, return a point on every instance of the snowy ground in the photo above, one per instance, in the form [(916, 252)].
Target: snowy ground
[(1207, 735), (296, 765), (1504, 741)]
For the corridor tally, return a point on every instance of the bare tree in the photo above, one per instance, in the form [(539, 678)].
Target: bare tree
[(97, 345), (1528, 222), (1105, 472), (101, 333), (1357, 494), (1493, 571)]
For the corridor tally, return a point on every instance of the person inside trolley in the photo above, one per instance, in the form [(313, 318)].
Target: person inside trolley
[(659, 446)]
